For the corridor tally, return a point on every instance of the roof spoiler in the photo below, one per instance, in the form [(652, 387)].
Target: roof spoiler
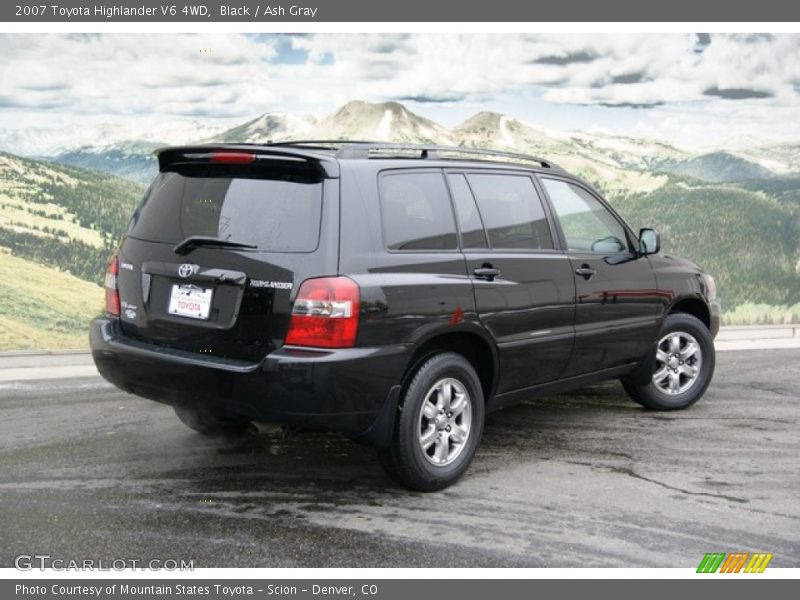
[(244, 154)]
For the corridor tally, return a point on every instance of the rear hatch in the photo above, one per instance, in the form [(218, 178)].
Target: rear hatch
[(216, 247)]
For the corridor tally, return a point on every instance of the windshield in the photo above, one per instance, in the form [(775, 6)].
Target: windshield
[(274, 210)]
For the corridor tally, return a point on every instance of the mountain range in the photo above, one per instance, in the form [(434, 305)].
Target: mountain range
[(735, 211), (616, 164)]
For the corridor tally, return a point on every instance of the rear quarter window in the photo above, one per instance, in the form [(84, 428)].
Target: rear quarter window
[(416, 212)]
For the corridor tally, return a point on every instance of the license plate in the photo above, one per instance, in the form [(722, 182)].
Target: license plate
[(190, 301)]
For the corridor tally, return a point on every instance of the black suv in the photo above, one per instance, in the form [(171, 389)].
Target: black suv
[(394, 293)]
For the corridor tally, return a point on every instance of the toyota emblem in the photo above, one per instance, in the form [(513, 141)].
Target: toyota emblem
[(186, 269)]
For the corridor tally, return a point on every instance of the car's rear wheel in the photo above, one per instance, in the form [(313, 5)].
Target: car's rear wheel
[(682, 367), (208, 423), (439, 426)]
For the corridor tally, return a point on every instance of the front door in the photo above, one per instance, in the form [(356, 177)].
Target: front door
[(618, 308)]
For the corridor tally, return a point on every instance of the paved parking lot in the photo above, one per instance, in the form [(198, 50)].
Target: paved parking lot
[(583, 479)]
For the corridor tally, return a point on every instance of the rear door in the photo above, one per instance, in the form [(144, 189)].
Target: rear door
[(401, 246), (215, 298), (617, 304), (524, 289)]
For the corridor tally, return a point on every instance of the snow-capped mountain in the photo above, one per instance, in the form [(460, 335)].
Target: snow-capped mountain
[(269, 127), (356, 120), (130, 159), (782, 159), (382, 122), (39, 141), (626, 161), (610, 161), (616, 163)]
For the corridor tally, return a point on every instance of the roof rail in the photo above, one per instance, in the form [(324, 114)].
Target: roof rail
[(364, 149), (316, 144)]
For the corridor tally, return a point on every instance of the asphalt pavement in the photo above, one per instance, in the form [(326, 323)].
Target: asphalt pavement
[(580, 479)]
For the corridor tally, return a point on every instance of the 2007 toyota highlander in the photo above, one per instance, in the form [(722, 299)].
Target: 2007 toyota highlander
[(395, 293)]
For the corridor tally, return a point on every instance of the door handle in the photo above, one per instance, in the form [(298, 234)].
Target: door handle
[(585, 271), (487, 272)]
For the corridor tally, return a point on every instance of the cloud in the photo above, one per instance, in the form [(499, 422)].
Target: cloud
[(753, 38), (31, 102), (134, 74), (389, 46), (654, 70), (230, 76), (736, 93), (122, 73), (565, 59), (45, 86), (631, 104), (620, 70), (628, 78), (430, 99), (702, 41)]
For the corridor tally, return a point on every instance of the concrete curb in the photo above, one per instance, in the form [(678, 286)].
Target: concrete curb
[(17, 353), (726, 334), (28, 365), (15, 375), (758, 332), (763, 344)]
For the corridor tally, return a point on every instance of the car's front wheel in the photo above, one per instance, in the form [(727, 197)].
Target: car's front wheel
[(682, 367), (439, 426)]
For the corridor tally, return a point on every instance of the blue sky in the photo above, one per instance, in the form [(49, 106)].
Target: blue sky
[(690, 89)]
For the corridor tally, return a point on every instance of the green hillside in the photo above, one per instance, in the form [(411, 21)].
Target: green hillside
[(134, 160), (59, 223), (716, 167), (747, 239), (61, 216), (44, 308)]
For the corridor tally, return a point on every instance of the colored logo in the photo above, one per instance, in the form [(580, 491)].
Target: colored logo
[(736, 562)]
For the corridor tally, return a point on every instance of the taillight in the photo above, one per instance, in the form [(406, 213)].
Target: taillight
[(325, 313), (112, 293)]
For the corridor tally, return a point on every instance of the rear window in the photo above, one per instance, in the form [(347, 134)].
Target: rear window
[(273, 209), (416, 212)]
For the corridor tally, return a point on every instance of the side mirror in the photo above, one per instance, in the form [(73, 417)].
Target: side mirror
[(649, 241)]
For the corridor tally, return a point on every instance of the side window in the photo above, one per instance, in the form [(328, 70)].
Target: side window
[(469, 220), (512, 211), (588, 226), (416, 212)]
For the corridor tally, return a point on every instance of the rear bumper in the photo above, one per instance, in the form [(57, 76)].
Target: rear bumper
[(352, 390)]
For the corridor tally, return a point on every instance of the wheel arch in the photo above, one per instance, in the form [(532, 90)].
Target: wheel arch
[(694, 306), (473, 346), (689, 305)]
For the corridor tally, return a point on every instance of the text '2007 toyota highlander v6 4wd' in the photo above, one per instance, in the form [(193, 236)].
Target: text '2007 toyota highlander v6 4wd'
[(394, 293)]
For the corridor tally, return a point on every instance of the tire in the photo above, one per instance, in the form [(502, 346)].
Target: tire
[(208, 423), (681, 369), (423, 419)]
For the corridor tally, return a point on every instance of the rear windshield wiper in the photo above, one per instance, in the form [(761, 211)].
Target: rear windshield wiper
[(196, 241)]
